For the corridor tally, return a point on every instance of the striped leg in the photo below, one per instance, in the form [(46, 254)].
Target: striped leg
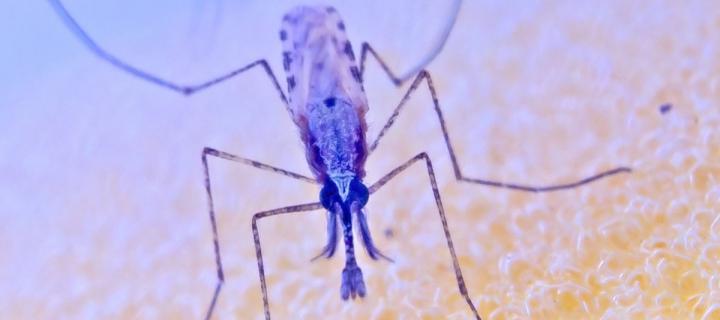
[(441, 211), (424, 75), (213, 222)]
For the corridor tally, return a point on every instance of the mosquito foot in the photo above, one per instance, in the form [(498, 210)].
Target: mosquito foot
[(352, 283)]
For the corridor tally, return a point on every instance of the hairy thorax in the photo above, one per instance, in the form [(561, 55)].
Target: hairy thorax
[(337, 137)]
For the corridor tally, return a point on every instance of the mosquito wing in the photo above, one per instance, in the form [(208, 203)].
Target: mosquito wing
[(318, 60)]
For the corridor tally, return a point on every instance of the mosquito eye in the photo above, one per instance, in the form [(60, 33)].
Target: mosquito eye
[(358, 192), (328, 194)]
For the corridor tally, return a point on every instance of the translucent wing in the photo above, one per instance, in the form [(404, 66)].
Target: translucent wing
[(318, 60)]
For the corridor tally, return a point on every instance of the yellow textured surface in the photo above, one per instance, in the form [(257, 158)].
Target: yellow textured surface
[(106, 213)]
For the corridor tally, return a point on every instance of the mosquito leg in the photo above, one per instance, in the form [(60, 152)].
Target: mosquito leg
[(424, 75), (363, 57), (228, 156), (436, 193), (211, 209), (437, 48), (258, 250), (101, 53)]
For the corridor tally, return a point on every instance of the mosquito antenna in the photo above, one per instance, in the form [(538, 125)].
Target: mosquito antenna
[(438, 46)]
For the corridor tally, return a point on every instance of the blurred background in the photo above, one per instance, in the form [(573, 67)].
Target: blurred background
[(103, 212)]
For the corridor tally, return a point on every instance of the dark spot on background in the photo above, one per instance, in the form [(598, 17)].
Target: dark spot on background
[(341, 26), (283, 35), (329, 102), (330, 9), (665, 108), (291, 83), (389, 233)]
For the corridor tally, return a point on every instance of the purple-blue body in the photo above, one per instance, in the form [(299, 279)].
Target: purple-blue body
[(328, 104)]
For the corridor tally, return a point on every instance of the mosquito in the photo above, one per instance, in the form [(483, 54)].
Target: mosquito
[(326, 100)]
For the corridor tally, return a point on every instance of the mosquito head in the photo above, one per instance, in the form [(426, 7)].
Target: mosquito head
[(344, 191)]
